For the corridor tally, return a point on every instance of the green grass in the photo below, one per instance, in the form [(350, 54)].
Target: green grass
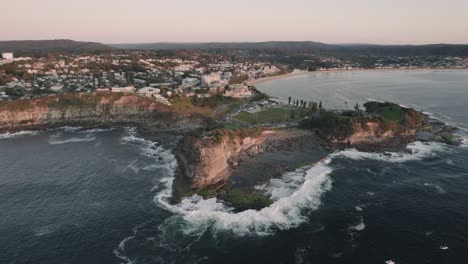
[(391, 113), (245, 200), (269, 116), (448, 137)]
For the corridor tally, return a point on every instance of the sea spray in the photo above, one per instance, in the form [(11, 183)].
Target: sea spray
[(18, 134), (415, 151), (59, 139), (297, 191)]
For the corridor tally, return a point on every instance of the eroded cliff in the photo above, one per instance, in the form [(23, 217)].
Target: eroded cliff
[(382, 122), (205, 160), (90, 108)]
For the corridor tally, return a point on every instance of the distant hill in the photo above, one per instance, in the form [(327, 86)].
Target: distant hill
[(316, 47), (44, 46), (224, 45)]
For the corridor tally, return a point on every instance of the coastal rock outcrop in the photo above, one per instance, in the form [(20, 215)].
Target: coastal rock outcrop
[(205, 160), (382, 124), (103, 108)]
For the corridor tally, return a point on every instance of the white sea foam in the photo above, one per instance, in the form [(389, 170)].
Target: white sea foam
[(415, 151), (464, 142), (436, 187), (18, 134), (149, 149), (118, 252), (358, 208), (443, 247), (58, 141), (292, 194), (96, 130), (359, 226), (70, 128), (165, 159), (374, 100)]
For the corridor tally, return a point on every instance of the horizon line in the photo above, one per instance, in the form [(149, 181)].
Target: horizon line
[(252, 42)]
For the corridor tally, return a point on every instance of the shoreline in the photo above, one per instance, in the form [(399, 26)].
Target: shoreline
[(304, 73)]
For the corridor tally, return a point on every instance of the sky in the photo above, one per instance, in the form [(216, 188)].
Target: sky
[(328, 21)]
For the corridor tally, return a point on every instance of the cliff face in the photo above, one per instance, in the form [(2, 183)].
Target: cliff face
[(371, 130), (381, 122), (205, 161), (95, 108)]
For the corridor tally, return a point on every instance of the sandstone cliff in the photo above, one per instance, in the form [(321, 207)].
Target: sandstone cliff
[(205, 161), (382, 122), (89, 108)]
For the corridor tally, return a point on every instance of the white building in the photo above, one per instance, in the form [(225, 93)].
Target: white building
[(56, 88), (8, 56), (237, 91), (128, 89), (190, 82), (207, 80), (149, 91)]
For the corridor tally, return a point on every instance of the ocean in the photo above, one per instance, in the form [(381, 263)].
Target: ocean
[(101, 196)]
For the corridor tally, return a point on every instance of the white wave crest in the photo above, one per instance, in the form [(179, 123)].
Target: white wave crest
[(359, 226), (374, 100), (96, 130), (18, 134), (70, 128), (57, 141), (296, 191), (415, 151), (436, 187), (464, 142)]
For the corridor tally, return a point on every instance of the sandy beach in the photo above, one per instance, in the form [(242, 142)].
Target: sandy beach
[(302, 73)]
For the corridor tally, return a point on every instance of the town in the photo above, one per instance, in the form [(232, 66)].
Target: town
[(164, 75)]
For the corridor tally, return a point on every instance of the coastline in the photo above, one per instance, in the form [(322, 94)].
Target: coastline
[(304, 73)]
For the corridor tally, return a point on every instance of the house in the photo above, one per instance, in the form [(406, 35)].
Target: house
[(128, 89), (103, 90), (56, 88), (8, 55), (149, 91), (190, 82), (208, 80), (237, 91)]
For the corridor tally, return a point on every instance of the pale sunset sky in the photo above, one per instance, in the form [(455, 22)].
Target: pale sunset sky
[(329, 21)]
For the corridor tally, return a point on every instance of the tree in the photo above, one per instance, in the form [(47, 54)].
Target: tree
[(356, 107), (314, 107), (320, 106)]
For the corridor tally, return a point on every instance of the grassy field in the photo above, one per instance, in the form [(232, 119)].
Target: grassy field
[(390, 113), (269, 116)]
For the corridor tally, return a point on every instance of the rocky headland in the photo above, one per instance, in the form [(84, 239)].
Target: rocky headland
[(209, 152), (207, 161), (98, 109)]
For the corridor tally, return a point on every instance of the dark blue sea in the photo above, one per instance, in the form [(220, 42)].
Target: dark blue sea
[(101, 196)]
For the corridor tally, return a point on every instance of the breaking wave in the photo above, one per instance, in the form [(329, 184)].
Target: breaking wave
[(56, 140), (163, 160), (464, 142), (415, 151), (18, 134), (291, 195), (360, 226), (96, 130)]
